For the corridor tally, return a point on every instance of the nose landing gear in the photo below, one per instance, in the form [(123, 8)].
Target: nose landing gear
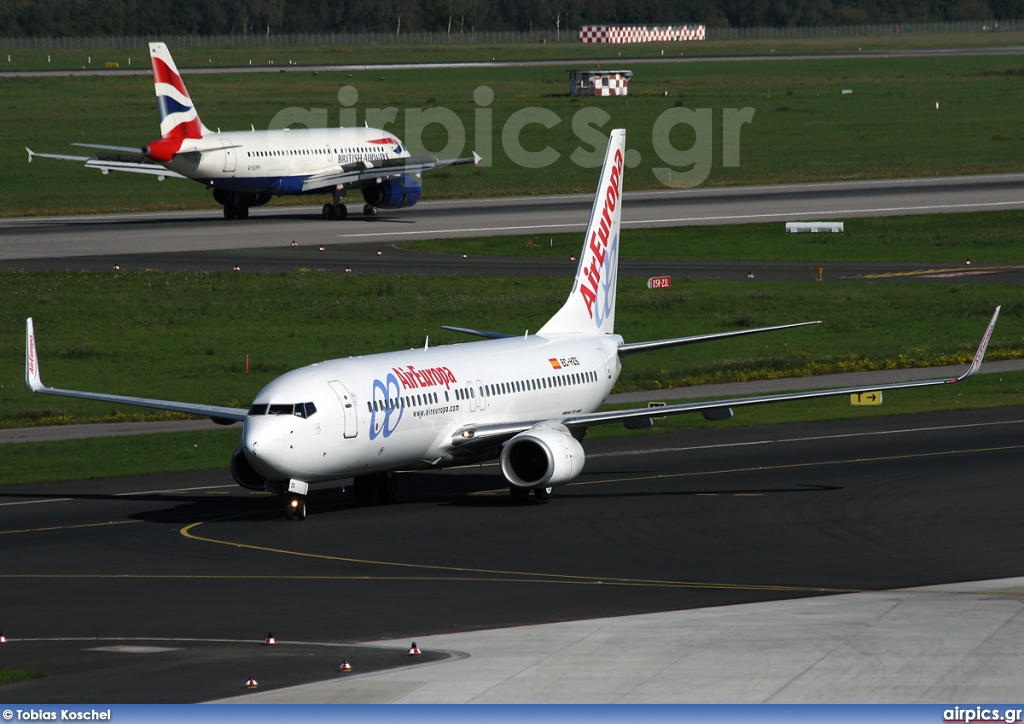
[(296, 509)]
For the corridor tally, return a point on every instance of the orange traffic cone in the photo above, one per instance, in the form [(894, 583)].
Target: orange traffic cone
[(346, 667), (251, 683), (414, 650), (270, 640)]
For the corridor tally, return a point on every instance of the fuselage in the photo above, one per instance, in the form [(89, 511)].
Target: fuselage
[(400, 410), (278, 162)]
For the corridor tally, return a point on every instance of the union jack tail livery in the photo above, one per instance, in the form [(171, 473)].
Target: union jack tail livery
[(590, 308), (178, 116)]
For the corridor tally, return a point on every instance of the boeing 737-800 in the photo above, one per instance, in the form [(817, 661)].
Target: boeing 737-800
[(526, 400), (248, 168)]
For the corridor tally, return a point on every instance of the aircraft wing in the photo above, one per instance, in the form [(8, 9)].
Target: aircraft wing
[(711, 409), (625, 349), (367, 171), (222, 415), (123, 160)]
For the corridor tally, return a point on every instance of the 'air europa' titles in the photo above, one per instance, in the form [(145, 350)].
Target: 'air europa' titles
[(413, 378), (599, 239)]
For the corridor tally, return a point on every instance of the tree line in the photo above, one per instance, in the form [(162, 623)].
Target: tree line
[(86, 18)]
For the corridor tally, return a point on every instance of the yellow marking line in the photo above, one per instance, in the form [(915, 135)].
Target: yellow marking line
[(925, 272), (529, 577), (69, 527)]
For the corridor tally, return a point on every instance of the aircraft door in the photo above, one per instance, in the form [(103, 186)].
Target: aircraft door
[(229, 157), (348, 407)]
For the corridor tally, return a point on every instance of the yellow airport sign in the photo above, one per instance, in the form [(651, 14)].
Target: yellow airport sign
[(866, 398)]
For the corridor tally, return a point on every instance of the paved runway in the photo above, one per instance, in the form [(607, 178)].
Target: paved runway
[(62, 240), (661, 523)]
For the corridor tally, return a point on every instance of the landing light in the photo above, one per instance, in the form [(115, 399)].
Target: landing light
[(467, 434), (294, 503)]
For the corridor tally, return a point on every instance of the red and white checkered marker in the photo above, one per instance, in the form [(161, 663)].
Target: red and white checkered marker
[(251, 683), (346, 667), (270, 640), (414, 650)]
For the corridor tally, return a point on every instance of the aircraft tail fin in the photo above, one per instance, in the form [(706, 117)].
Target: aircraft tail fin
[(590, 308), (178, 115)]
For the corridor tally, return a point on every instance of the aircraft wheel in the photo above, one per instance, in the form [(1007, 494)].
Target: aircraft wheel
[(362, 486), (229, 211), (242, 212), (328, 212), (340, 212), (518, 494), (295, 509), (387, 487), (369, 210), (542, 494)]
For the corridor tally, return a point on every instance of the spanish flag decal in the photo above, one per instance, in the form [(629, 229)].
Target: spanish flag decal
[(554, 364)]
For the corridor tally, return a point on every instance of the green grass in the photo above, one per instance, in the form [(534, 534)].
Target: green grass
[(108, 457), (221, 57), (186, 336), (803, 128), (11, 676), (991, 237)]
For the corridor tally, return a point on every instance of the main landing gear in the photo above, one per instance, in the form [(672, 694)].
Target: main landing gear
[(520, 495), (369, 210), (335, 212), (383, 485), (236, 211)]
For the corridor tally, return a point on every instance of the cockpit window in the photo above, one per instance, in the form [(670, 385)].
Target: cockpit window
[(258, 410), (305, 409), (281, 409)]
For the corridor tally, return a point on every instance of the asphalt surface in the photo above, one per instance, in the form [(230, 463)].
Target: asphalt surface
[(194, 241), (656, 523)]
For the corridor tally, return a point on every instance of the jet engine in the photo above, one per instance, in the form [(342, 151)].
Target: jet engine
[(243, 473), (393, 193), (544, 455)]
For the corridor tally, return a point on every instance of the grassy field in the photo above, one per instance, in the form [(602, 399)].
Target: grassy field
[(802, 129), (233, 57), (186, 336), (9, 676), (985, 237)]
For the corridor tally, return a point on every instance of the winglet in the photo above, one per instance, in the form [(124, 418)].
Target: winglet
[(31, 154), (980, 354), (477, 158), (32, 379)]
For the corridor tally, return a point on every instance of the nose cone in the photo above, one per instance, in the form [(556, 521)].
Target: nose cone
[(263, 442)]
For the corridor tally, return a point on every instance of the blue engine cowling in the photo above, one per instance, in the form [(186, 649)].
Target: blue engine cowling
[(393, 193)]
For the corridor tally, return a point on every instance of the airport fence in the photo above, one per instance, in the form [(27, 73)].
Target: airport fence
[(498, 37)]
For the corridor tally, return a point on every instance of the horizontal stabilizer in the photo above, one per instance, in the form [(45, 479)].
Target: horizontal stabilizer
[(479, 333)]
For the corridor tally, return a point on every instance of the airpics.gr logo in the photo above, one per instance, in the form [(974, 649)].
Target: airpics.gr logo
[(598, 285)]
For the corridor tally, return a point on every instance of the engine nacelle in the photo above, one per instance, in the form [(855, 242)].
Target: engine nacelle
[(541, 456), (243, 473), (393, 193)]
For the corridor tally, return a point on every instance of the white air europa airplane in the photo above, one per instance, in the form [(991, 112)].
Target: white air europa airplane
[(527, 400), (248, 168)]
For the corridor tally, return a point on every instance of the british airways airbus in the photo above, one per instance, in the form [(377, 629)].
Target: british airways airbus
[(527, 400), (248, 168)]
